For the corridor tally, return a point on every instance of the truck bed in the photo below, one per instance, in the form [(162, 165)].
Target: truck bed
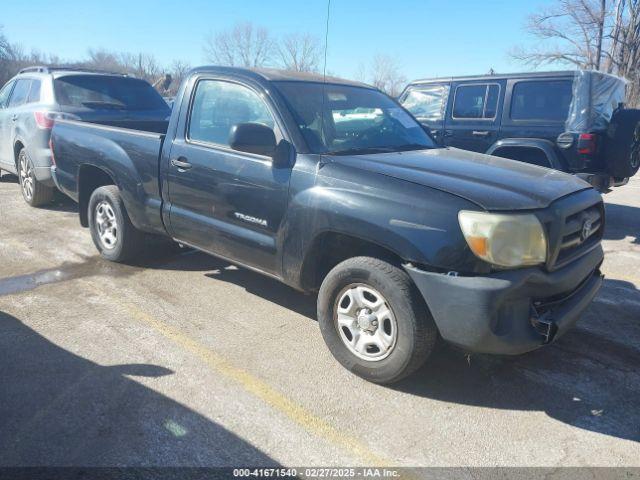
[(130, 157)]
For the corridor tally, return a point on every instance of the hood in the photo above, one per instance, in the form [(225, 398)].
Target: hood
[(493, 183)]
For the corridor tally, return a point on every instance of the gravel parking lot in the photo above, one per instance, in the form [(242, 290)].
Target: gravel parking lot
[(185, 360)]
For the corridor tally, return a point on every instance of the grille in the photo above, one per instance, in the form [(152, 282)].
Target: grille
[(581, 231)]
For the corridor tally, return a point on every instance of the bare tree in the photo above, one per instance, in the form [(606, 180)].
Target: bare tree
[(386, 75), (101, 59), (140, 65), (623, 56), (300, 52), (591, 34), (244, 45), (178, 70), (361, 73), (143, 65), (576, 28), (4, 46), (13, 58), (5, 58)]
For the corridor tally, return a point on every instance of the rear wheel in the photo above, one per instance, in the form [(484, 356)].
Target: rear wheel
[(374, 320), (112, 232), (34, 192)]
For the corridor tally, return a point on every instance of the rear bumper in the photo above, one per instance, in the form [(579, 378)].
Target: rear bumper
[(41, 158), (602, 181), (510, 312), (43, 175)]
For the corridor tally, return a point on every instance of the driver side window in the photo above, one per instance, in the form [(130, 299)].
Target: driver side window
[(4, 94), (219, 105)]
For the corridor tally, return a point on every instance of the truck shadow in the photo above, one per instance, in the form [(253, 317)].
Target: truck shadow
[(8, 178), (61, 203), (622, 221), (60, 409), (589, 379), (266, 288)]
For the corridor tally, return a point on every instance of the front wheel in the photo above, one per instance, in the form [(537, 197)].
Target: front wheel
[(374, 320), (112, 232), (34, 192)]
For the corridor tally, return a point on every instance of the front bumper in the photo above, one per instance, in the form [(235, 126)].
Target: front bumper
[(510, 312)]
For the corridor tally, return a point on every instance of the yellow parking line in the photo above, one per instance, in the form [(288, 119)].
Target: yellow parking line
[(262, 390)]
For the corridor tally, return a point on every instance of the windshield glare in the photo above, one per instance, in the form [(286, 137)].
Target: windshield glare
[(340, 119)]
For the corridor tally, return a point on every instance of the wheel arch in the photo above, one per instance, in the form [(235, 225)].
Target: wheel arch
[(511, 147), (90, 178), (329, 248), (18, 145)]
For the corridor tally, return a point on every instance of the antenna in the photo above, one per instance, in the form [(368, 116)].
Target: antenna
[(326, 41), (324, 72)]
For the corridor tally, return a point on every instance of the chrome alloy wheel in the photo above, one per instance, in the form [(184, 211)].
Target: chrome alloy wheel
[(106, 224), (26, 176), (365, 322)]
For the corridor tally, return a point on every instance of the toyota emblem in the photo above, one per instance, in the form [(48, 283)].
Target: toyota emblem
[(586, 229)]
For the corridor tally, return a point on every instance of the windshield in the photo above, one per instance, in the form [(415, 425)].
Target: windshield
[(356, 120), (106, 92)]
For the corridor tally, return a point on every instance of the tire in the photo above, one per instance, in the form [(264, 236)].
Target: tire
[(107, 213), (415, 331), (34, 193)]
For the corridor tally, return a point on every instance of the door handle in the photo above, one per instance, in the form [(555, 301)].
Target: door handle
[(481, 133), (181, 164), (14, 118), (447, 133)]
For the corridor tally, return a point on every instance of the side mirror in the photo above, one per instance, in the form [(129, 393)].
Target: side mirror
[(253, 138), (284, 156)]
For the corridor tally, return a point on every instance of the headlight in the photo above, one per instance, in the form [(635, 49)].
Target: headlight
[(506, 240)]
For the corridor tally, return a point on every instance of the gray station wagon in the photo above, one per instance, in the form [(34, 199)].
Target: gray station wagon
[(32, 100)]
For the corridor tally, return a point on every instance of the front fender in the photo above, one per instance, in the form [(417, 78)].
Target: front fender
[(417, 223)]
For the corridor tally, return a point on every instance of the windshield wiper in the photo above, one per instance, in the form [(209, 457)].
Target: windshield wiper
[(108, 105), (412, 146), (362, 151), (385, 149)]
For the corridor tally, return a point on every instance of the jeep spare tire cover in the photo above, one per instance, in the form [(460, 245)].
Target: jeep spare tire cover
[(622, 143)]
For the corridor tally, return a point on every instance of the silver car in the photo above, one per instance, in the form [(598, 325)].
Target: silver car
[(32, 100)]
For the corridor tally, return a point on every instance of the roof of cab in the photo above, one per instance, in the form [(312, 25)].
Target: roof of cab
[(272, 74)]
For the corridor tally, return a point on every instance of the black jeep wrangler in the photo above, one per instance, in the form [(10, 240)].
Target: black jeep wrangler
[(573, 121)]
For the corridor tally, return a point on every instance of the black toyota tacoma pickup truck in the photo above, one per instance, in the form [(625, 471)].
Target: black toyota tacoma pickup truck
[(331, 187)]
